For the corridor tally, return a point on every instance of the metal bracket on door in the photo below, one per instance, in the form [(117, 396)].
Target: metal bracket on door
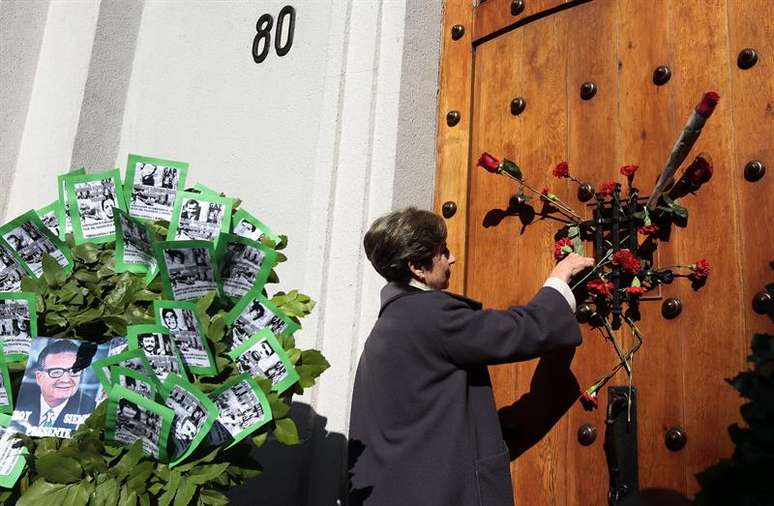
[(621, 442)]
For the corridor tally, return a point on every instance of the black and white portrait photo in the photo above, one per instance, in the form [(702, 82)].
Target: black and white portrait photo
[(96, 200), (11, 271), (134, 422), (254, 317), (135, 385), (244, 228), (239, 408), (153, 191), (240, 266), (190, 417), (31, 244), (137, 242), (15, 326), (190, 272), (183, 327), (200, 217), (161, 353), (51, 220), (262, 360)]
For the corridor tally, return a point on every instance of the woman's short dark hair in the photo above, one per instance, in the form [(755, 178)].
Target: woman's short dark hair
[(403, 236)]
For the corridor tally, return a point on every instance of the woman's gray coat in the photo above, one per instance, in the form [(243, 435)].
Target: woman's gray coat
[(423, 428)]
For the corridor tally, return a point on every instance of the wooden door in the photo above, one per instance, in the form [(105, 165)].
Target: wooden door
[(543, 54)]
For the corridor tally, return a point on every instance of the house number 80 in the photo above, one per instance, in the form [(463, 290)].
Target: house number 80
[(262, 40)]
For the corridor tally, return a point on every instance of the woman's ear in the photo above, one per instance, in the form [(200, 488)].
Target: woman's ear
[(417, 272)]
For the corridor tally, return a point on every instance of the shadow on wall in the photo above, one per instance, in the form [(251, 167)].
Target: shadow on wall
[(290, 476)]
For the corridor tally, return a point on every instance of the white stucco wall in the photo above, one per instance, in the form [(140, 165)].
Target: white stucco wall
[(317, 143)]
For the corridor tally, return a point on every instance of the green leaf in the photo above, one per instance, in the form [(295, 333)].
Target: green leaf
[(202, 474), (170, 489), (78, 494), (286, 432), (42, 492), (116, 323), (87, 252), (213, 497), (260, 439), (204, 303), (128, 461), (294, 354), (138, 477), (56, 468), (53, 273), (217, 328), (30, 284), (185, 493), (278, 408), (283, 242)]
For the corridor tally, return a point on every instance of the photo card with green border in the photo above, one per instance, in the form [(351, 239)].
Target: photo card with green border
[(92, 200), (151, 186), (262, 356), (134, 246), (244, 264), (195, 413), (199, 216), (12, 454), (12, 270), (19, 324), (159, 347), (66, 216), (130, 359), (242, 409), (188, 269), (130, 417), (6, 392), (50, 214), (254, 312), (131, 379), (179, 317), (247, 225), (31, 240)]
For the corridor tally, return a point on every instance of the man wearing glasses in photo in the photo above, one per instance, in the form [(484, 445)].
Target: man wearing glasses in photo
[(58, 383)]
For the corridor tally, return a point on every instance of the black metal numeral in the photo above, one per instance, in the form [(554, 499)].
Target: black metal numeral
[(262, 39), (286, 11), (263, 27)]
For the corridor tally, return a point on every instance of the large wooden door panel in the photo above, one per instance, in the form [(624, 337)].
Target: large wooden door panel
[(680, 370)]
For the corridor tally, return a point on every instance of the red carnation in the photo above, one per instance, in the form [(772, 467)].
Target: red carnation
[(700, 270), (600, 287), (607, 188), (700, 170), (562, 170), (589, 401), (707, 104), (489, 162), (634, 290), (629, 170), (560, 246), (649, 230), (627, 261)]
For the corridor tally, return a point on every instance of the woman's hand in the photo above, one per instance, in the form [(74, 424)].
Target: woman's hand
[(571, 265)]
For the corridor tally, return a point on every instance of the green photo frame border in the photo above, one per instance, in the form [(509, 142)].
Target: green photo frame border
[(167, 415), (151, 381), (158, 251), (132, 331), (131, 162), (62, 192), (292, 377), (257, 295), (269, 260), (58, 210), (225, 225), (170, 382), (10, 479), (32, 308), (158, 305), (6, 408), (106, 380), (121, 264), (71, 180), (262, 399), (241, 214), (32, 216)]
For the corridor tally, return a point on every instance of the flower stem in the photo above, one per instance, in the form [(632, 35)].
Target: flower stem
[(619, 352), (561, 206), (601, 263)]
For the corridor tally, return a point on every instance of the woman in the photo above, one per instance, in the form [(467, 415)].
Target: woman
[(423, 426)]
